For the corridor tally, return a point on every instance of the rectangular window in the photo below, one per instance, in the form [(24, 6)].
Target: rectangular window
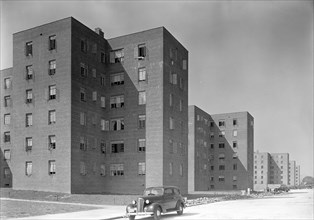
[(7, 119), (142, 74), (29, 48), (170, 169), (103, 80), (7, 101), (83, 168), (234, 178), (141, 145), (7, 173), (171, 123), (52, 67), (7, 83), (29, 96), (52, 117), (104, 125), (221, 167), (52, 42), (221, 157), (221, 179), (103, 102), (103, 149), (7, 137), (221, 145), (235, 133), (141, 121), (84, 70), (211, 146), (221, 123), (29, 72), (117, 56), (83, 45), (234, 187), (82, 118), (83, 94), (28, 120), (102, 170), (117, 147), (170, 100), (102, 57), (117, 169), (212, 134), (235, 122), (83, 144), (184, 64), (52, 92), (211, 124), (235, 166), (94, 73), (181, 105), (142, 98), (28, 168), (7, 154), (117, 124), (212, 168), (171, 146), (28, 143), (235, 155), (173, 78), (52, 167), (51, 142), (222, 134), (141, 51), (94, 96), (234, 144), (181, 83), (117, 79), (141, 168), (117, 101)]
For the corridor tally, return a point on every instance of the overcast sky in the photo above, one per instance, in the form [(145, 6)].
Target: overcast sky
[(243, 56)]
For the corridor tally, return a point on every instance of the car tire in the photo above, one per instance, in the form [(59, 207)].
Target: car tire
[(180, 208), (157, 213), (131, 217)]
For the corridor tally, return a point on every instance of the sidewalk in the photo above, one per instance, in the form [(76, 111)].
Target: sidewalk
[(103, 212)]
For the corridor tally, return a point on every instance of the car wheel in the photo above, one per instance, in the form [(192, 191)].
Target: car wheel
[(180, 208), (131, 217), (157, 213)]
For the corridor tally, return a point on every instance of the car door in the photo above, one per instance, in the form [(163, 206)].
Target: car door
[(170, 198)]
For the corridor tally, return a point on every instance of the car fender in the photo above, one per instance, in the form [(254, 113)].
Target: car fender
[(154, 206)]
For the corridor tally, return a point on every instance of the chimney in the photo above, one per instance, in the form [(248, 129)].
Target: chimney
[(99, 32)]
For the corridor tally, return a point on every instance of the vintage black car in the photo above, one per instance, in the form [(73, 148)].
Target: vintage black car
[(157, 200)]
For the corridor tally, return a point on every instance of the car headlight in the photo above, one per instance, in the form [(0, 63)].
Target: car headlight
[(147, 201), (133, 202)]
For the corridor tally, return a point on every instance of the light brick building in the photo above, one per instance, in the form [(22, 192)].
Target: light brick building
[(221, 148), (297, 175), (91, 115), (279, 168), (292, 169), (261, 170)]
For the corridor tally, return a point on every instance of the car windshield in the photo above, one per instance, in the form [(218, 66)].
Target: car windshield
[(153, 192)]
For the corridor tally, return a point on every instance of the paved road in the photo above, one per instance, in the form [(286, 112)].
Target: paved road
[(297, 204)]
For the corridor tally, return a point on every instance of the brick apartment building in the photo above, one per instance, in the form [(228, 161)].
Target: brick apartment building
[(292, 169), (221, 148), (297, 175), (85, 114), (261, 170)]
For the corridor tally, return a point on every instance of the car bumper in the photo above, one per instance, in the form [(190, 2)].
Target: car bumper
[(139, 213)]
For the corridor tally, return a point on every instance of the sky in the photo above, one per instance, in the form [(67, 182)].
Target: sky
[(254, 56)]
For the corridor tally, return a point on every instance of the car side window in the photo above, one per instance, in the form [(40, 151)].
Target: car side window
[(168, 191), (176, 191)]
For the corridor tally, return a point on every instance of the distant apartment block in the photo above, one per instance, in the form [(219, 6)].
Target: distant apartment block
[(221, 150), (85, 114), (297, 175), (261, 170), (279, 168), (292, 169)]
